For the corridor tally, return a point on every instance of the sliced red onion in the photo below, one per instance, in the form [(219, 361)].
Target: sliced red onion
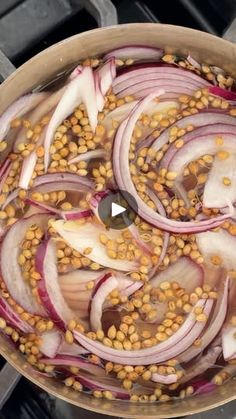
[(79, 296), (157, 69), (80, 237), (137, 52), (229, 342), (141, 80), (218, 243), (50, 343), (161, 210), (43, 109), (206, 361), (4, 167), (80, 90), (225, 94), (94, 201), (43, 207), (12, 195), (164, 379), (5, 176), (72, 361), (198, 120), (61, 180), (100, 99), (92, 154), (173, 89), (12, 318), (77, 70), (27, 170), (127, 286), (19, 108), (163, 351), (11, 273), (121, 112), (103, 288), (107, 74), (213, 328), (159, 206), (193, 144), (48, 288), (203, 387), (104, 77), (75, 214), (118, 114), (141, 243), (216, 194), (77, 280), (194, 149), (79, 307), (92, 384), (71, 349), (173, 86), (78, 301), (185, 271), (124, 180)]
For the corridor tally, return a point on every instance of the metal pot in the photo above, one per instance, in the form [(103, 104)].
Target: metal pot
[(45, 66)]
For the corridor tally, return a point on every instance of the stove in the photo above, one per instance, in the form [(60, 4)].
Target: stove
[(26, 28)]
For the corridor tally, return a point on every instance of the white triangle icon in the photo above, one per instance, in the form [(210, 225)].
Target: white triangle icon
[(116, 209)]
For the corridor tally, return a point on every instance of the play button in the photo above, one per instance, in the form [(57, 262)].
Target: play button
[(118, 210)]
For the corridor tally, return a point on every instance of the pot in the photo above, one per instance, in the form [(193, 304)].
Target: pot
[(45, 66)]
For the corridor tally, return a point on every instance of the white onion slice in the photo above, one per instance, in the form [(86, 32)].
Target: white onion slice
[(71, 349), (214, 326), (103, 288), (78, 279), (195, 149), (185, 271), (80, 90), (109, 384), (216, 194), (48, 288), (121, 112), (229, 342), (80, 237), (161, 352), (164, 379), (198, 120), (103, 78), (124, 180), (92, 154), (206, 361), (50, 343), (27, 170), (19, 108), (10, 270), (218, 243), (72, 361)]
